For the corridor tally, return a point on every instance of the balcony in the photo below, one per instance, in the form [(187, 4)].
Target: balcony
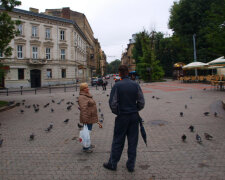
[(37, 61)]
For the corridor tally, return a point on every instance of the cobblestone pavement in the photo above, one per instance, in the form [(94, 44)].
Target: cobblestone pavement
[(54, 155)]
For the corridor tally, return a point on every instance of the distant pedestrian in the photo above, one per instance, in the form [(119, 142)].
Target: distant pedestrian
[(104, 84), (126, 99), (88, 110)]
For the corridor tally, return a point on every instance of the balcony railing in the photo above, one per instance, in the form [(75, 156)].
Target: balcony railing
[(37, 61)]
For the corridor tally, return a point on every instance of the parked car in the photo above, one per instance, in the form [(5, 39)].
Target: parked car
[(96, 81), (116, 78), (107, 77)]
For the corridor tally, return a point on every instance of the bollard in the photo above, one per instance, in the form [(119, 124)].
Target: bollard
[(50, 90), (21, 91), (35, 91), (7, 91)]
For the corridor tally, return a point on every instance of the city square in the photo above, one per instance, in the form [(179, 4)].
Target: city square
[(58, 154)]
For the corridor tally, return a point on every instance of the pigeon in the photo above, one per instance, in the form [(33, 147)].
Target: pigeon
[(102, 115), (157, 98), (34, 105), (66, 121), (199, 139), (208, 136), (79, 125), (191, 128), (190, 97), (37, 105), (53, 101), (107, 95), (36, 109), (185, 106), (46, 105), (32, 137), (183, 137), (1, 141), (206, 113), (153, 97), (68, 103), (52, 110), (215, 114), (17, 104), (21, 111), (99, 110), (72, 103), (181, 114), (73, 94), (62, 100), (101, 120), (49, 128), (204, 89), (99, 103), (59, 102), (23, 100), (69, 108)]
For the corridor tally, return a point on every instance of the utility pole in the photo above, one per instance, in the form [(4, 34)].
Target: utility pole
[(195, 57)]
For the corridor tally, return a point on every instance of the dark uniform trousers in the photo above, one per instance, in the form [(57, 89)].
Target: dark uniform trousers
[(125, 125)]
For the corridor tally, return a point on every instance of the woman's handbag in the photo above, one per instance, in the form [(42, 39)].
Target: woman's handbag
[(85, 137)]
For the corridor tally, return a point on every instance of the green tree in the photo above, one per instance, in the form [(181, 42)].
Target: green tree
[(205, 18), (144, 53), (112, 68), (7, 30)]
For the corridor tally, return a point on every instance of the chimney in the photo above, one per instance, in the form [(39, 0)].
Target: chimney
[(66, 12), (34, 10)]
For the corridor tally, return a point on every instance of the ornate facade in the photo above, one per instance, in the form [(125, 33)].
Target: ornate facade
[(49, 51), (93, 49), (127, 55)]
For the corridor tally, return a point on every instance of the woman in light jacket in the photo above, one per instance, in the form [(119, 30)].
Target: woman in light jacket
[(88, 110)]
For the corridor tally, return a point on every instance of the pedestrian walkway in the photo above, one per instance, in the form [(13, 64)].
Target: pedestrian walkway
[(57, 154)]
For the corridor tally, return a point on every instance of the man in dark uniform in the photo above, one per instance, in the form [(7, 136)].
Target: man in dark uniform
[(126, 99)]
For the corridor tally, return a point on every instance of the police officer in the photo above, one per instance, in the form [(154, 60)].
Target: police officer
[(126, 99)]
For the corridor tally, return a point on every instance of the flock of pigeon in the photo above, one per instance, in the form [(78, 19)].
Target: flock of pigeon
[(191, 128), (36, 108)]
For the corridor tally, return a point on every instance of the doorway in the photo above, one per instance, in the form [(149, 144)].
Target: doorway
[(35, 78)]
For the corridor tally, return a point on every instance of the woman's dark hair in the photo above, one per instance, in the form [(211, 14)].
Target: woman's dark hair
[(123, 69)]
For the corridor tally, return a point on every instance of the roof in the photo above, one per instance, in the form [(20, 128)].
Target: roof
[(21, 11)]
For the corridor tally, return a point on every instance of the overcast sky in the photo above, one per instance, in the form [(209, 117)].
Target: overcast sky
[(114, 21)]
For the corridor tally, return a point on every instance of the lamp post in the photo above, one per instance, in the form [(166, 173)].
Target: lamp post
[(195, 57)]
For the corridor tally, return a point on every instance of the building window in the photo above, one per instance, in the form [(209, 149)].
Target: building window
[(47, 33), (49, 73), (20, 29), (48, 53), (63, 54), (20, 51), (20, 73), (34, 52), (63, 73), (34, 31), (62, 35)]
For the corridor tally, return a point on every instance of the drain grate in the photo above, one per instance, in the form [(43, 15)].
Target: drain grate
[(158, 122)]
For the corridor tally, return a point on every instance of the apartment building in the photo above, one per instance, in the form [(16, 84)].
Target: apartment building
[(48, 51)]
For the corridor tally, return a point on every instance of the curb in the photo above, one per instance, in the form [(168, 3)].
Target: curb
[(5, 108)]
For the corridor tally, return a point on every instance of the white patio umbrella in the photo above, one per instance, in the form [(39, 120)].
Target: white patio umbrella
[(218, 62), (195, 65)]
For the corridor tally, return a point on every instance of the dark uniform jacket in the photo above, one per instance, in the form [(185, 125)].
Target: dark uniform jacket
[(126, 97)]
